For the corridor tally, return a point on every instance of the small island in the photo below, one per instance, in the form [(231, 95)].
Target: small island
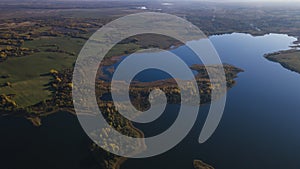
[(289, 59), (198, 164)]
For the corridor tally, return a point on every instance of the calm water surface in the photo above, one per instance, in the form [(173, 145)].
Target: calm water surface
[(261, 122)]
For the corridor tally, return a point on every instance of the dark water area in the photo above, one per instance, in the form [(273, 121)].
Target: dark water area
[(59, 143), (259, 128)]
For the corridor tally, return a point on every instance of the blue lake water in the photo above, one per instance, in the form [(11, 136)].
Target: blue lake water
[(261, 122), (259, 128)]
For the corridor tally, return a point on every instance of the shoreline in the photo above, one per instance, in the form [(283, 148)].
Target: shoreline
[(122, 160), (288, 59)]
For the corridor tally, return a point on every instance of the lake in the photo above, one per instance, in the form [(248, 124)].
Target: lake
[(259, 128), (260, 125)]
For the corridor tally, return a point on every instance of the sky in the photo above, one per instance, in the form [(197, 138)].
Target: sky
[(206, 0), (242, 0), (223, 0), (294, 1)]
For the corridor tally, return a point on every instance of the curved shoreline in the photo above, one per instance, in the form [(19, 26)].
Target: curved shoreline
[(118, 164), (289, 59)]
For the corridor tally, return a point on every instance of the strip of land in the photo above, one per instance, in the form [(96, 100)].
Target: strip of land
[(198, 164), (289, 59)]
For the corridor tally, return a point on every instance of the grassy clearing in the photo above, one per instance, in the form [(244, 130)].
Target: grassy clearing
[(62, 43), (28, 92), (123, 49), (33, 66), (26, 75)]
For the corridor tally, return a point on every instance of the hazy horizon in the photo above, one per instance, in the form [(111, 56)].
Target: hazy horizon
[(177, 0)]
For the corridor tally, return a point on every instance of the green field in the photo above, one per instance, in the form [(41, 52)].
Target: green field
[(73, 45), (27, 74)]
